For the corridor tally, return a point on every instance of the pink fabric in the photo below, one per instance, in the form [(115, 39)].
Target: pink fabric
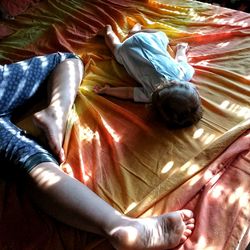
[(220, 199), (5, 31), (223, 202), (17, 7)]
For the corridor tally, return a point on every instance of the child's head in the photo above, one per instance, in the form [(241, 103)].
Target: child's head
[(178, 103)]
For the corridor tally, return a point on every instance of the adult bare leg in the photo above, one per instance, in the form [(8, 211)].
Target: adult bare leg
[(71, 202), (64, 83)]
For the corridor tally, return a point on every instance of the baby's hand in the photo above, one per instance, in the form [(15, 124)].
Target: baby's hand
[(101, 90)]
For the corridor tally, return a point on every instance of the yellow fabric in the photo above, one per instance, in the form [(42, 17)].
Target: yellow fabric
[(123, 153), (116, 147)]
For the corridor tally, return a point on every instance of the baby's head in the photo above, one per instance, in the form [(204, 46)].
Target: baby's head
[(178, 103)]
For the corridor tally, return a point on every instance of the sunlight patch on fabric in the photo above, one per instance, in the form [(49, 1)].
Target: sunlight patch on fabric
[(24, 65), (167, 167), (218, 191), (44, 61), (111, 131), (202, 242), (194, 180), (222, 45), (239, 110), (206, 138), (225, 104), (244, 200), (86, 134), (198, 133), (210, 138), (231, 22), (186, 166), (130, 207), (6, 72), (193, 169)]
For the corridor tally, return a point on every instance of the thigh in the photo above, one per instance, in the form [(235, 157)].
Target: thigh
[(20, 81)]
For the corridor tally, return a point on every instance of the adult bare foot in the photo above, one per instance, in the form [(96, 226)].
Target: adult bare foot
[(53, 127), (157, 233)]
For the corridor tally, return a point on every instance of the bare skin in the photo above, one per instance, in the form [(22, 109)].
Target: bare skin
[(181, 52), (112, 41), (63, 88), (71, 202)]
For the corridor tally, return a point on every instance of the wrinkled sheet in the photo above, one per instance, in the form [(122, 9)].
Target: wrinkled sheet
[(16, 7), (117, 148)]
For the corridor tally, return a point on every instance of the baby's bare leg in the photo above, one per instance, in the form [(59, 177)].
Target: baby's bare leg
[(139, 28), (111, 39), (64, 83)]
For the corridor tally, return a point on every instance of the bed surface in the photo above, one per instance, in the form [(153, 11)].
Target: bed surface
[(117, 148)]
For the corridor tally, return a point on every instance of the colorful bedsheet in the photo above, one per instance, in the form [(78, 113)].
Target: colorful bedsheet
[(117, 148)]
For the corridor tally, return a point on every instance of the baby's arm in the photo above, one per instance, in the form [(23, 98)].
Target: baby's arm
[(119, 92)]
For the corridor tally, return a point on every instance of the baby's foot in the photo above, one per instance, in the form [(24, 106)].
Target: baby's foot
[(182, 46), (104, 30), (48, 122), (137, 27), (156, 233)]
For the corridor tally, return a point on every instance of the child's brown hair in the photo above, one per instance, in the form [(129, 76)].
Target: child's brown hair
[(179, 104)]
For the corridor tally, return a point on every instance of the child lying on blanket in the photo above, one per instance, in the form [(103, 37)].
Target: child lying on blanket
[(164, 80)]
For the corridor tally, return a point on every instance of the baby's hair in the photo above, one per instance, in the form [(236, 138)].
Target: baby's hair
[(178, 103)]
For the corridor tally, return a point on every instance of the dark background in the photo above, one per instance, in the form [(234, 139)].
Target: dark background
[(242, 5)]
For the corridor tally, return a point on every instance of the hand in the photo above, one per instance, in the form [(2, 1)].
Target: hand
[(101, 90)]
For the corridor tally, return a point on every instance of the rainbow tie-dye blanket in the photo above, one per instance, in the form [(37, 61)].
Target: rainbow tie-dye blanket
[(116, 148)]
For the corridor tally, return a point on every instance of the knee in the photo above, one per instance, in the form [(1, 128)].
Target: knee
[(75, 67), (78, 68)]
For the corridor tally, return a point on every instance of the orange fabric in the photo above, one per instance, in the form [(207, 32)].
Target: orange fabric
[(122, 152)]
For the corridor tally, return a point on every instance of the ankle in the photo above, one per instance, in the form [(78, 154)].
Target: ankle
[(114, 223)]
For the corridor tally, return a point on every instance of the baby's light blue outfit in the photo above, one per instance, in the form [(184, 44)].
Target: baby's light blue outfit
[(146, 59)]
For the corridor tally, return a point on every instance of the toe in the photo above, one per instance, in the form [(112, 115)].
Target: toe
[(187, 232), (186, 214), (62, 155), (190, 226), (183, 239), (190, 221)]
